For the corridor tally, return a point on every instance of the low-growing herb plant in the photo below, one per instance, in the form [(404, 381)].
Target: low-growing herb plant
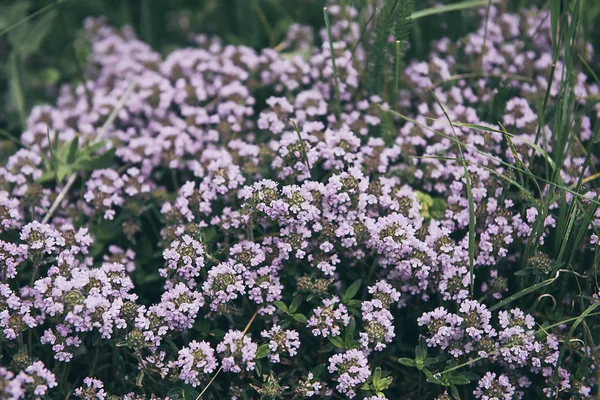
[(328, 217)]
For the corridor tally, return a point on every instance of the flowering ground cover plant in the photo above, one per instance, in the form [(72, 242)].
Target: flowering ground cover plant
[(333, 217)]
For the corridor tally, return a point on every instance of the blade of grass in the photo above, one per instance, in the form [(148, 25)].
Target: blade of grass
[(221, 368), (146, 21), (13, 139), (338, 109), (98, 138), (398, 60), (590, 70), (486, 155), (470, 199), (71, 40), (30, 16), (526, 291), (302, 145), (16, 87), (498, 350), (526, 192), (503, 131), (485, 34), (567, 339), (450, 7)]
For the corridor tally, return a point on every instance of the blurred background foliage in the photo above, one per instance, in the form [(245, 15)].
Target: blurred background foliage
[(41, 45)]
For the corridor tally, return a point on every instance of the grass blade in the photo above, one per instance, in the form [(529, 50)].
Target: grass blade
[(32, 15), (338, 110), (470, 199), (450, 7)]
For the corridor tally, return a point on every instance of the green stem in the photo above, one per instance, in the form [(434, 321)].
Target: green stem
[(338, 110)]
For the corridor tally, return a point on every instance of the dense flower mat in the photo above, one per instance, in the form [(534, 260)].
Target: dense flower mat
[(219, 212)]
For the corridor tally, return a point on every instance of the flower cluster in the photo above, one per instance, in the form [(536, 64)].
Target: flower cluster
[(350, 370), (195, 361), (237, 351)]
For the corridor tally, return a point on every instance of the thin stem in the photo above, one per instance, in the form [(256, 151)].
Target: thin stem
[(397, 72), (59, 198), (221, 368), (498, 350), (303, 145), (485, 34), (33, 15), (335, 74), (99, 137), (78, 65)]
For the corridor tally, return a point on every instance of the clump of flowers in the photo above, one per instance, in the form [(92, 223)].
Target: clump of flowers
[(237, 351), (195, 361), (281, 342), (350, 370), (329, 319)]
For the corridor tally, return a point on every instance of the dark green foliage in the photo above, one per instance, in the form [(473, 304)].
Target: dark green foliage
[(394, 18), (377, 57), (402, 29)]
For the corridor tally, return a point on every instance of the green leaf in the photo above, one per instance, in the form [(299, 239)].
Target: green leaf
[(377, 373), (318, 370), (281, 305), (432, 360), (140, 379), (62, 172), (47, 176), (353, 303), (458, 380), (421, 350), (258, 369), (336, 341), (183, 393), (469, 375), (295, 304), (263, 351), (94, 147), (300, 318), (407, 362), (16, 86), (454, 392), (436, 379), (102, 161), (350, 329), (352, 290), (524, 272), (73, 148), (383, 383)]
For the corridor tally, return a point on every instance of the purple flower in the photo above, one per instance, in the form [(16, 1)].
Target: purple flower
[(237, 352), (350, 369), (330, 319), (195, 361), (281, 341)]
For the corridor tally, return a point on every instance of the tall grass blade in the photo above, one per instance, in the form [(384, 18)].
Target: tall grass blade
[(338, 109), (470, 199)]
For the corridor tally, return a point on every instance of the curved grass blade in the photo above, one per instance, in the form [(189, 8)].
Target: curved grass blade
[(450, 7), (32, 15), (526, 291), (469, 198)]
